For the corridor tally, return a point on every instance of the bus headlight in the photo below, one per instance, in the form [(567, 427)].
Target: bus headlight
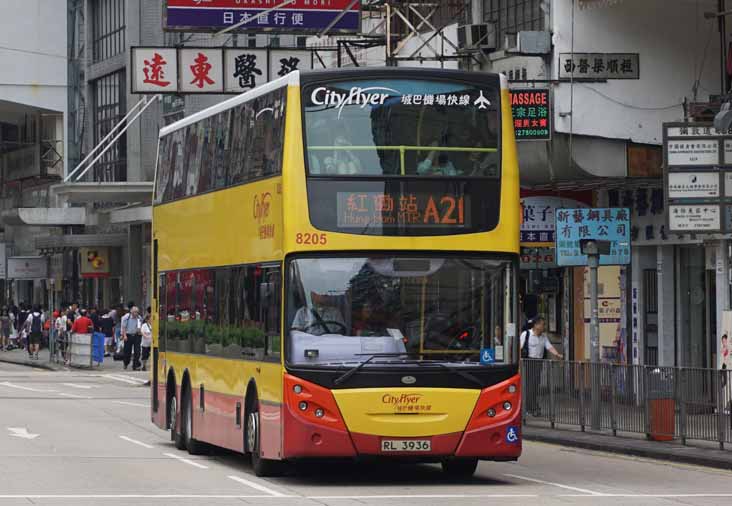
[(511, 389), (297, 389), (507, 406), (303, 406), (319, 413), (491, 412)]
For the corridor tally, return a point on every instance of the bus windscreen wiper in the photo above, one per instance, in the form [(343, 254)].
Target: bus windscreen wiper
[(346, 375), (456, 370)]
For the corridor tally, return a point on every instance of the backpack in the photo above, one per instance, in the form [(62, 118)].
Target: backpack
[(36, 324), (525, 347)]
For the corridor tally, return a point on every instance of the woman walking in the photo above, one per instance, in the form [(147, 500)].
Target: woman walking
[(6, 326)]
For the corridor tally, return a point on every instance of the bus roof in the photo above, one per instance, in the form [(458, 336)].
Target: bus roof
[(294, 78)]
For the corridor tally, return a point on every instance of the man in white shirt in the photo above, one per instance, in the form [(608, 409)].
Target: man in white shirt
[(319, 319), (537, 344)]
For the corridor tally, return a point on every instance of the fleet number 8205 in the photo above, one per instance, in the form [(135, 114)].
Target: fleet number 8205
[(311, 239)]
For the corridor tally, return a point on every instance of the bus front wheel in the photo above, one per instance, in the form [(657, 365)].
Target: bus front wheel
[(262, 467), (460, 468)]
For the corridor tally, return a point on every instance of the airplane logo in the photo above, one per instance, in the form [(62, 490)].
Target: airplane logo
[(482, 102)]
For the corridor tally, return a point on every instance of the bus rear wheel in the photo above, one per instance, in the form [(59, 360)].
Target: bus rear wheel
[(262, 467), (459, 468), (175, 436), (193, 446)]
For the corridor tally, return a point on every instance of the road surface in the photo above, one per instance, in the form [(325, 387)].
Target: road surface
[(84, 438)]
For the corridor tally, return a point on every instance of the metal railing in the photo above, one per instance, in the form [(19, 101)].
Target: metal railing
[(663, 403)]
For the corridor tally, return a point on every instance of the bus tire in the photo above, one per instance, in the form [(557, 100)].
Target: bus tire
[(459, 468), (173, 417), (262, 467), (193, 446)]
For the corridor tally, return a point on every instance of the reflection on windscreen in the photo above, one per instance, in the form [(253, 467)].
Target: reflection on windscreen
[(402, 127), (447, 309)]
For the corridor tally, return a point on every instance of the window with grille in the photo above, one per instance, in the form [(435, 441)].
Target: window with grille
[(109, 109), (108, 28), (513, 16)]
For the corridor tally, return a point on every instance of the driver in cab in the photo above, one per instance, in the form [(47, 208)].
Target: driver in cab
[(322, 317)]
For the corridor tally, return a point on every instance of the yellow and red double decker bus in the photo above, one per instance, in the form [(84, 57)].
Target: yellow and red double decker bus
[(335, 256)]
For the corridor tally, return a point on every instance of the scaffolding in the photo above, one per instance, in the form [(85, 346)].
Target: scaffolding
[(412, 30)]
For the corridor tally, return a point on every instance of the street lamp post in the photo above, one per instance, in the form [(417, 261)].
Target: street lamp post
[(593, 249)]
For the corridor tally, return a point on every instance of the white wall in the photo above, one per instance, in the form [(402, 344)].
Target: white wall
[(670, 37), (33, 63)]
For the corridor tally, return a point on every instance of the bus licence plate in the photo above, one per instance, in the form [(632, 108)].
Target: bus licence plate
[(406, 445)]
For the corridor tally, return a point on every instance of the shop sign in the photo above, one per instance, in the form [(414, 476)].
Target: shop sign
[(688, 153), (219, 70), (537, 258), (531, 117), (35, 267), (94, 262), (606, 224), (538, 221), (693, 185), (599, 66), (694, 199), (295, 16), (694, 218)]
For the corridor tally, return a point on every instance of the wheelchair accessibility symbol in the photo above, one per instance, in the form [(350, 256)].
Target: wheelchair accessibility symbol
[(512, 435), (487, 356)]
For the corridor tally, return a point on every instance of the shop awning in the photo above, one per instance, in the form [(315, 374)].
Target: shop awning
[(59, 243)]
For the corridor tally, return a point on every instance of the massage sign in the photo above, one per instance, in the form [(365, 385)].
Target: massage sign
[(531, 114)]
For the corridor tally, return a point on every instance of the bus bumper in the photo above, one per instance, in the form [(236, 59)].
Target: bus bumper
[(327, 436)]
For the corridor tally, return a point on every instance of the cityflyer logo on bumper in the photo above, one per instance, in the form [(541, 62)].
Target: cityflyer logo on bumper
[(406, 402)]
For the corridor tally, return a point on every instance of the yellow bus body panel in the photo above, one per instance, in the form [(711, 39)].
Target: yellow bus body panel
[(407, 412), (503, 238)]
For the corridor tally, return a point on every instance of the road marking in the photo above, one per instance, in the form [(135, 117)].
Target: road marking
[(126, 379), (567, 487), (30, 389), (132, 404), (134, 441), (425, 496), (187, 461), (651, 496), (84, 387), (74, 396), (257, 486), (21, 432), (133, 496)]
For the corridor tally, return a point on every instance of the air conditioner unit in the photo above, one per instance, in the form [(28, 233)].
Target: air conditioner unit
[(480, 36)]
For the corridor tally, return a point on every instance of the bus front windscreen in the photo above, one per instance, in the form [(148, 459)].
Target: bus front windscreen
[(402, 127), (343, 309)]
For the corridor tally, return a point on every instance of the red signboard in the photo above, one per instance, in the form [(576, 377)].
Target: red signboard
[(302, 16)]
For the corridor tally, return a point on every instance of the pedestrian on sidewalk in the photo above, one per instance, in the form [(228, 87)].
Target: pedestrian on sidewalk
[(106, 327), (131, 325), (534, 344), (82, 324), (22, 317), (34, 330), (146, 341), (6, 326)]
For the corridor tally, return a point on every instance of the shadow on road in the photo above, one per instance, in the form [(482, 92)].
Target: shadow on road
[(348, 472)]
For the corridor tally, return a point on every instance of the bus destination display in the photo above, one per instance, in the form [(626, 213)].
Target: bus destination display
[(392, 210)]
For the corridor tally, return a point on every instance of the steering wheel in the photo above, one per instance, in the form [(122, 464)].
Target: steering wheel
[(324, 324)]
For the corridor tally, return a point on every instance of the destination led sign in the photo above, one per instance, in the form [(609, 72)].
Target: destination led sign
[(385, 210)]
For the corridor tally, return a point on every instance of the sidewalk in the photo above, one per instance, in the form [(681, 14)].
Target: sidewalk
[(673, 451), (20, 357)]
